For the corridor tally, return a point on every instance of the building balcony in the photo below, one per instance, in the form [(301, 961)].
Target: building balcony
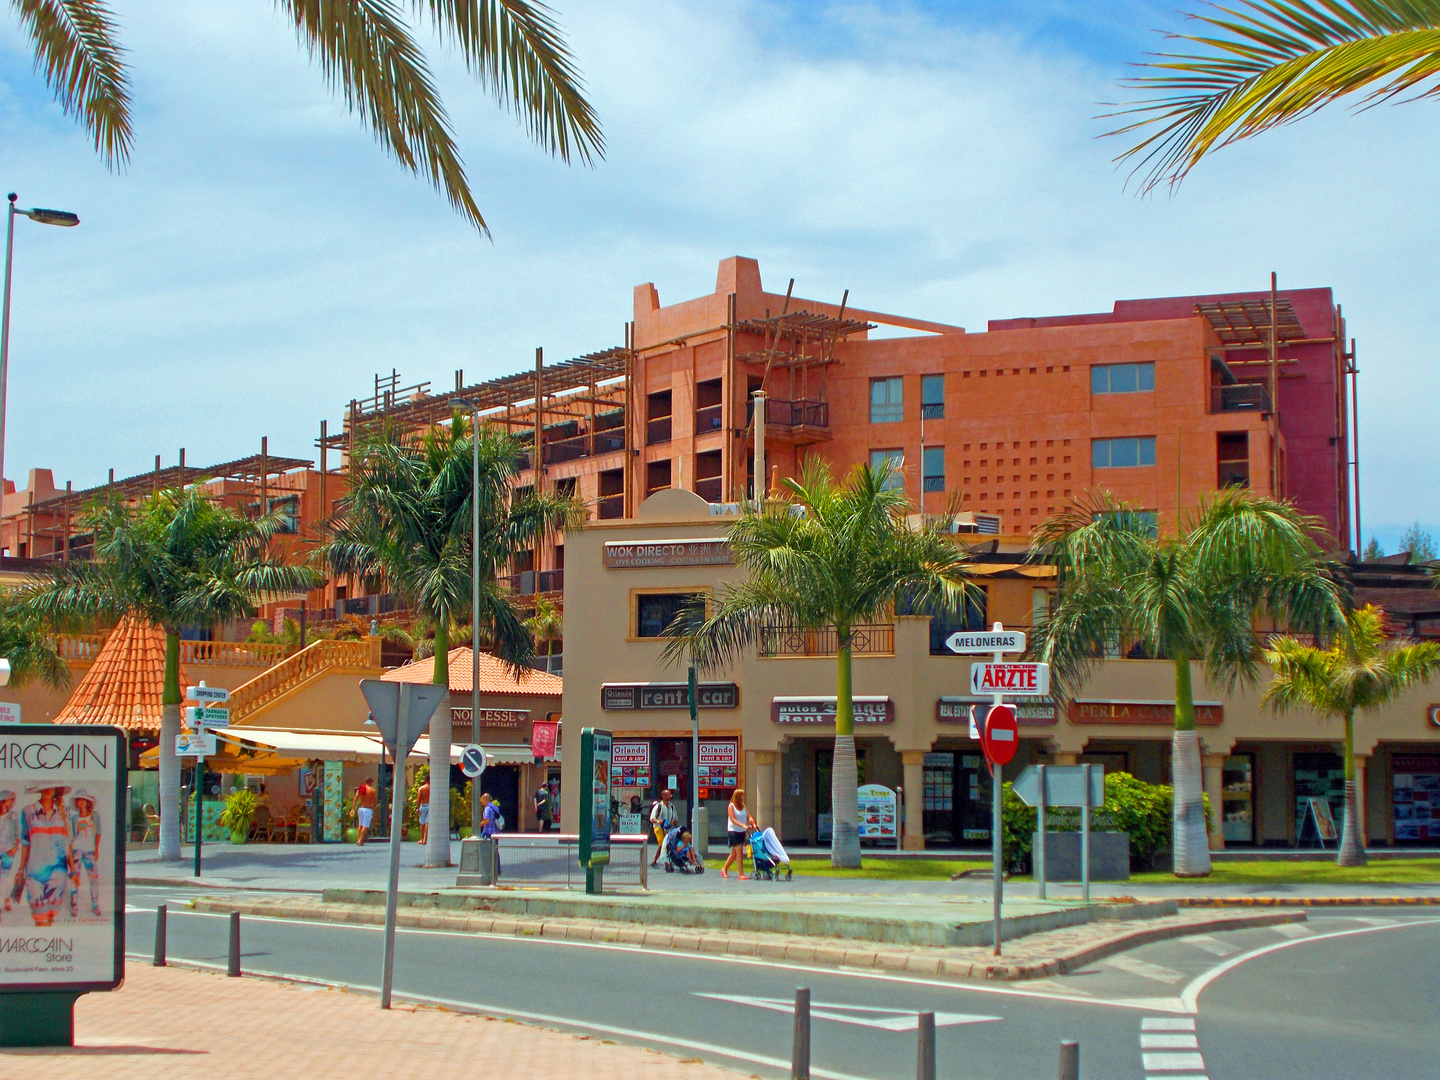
[(375, 604), (529, 583), (709, 489), (610, 506), (708, 419), (1240, 397), (657, 431), (803, 420), (867, 639)]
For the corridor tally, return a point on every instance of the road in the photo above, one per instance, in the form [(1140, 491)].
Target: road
[(1349, 994)]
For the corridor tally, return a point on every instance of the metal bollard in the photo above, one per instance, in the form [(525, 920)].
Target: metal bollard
[(160, 915), (1069, 1060), (800, 1050), (234, 971), (925, 1047)]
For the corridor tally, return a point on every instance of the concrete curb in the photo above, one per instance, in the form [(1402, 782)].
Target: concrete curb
[(936, 962), (1308, 901)]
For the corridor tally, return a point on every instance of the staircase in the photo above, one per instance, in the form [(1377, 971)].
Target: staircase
[(295, 671)]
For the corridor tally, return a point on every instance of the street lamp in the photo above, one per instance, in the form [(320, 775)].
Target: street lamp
[(45, 217), (474, 408)]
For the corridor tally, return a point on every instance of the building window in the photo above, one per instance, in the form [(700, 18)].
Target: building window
[(970, 615), (287, 509), (887, 401), (932, 397), (934, 468), (1122, 378), (895, 460), (656, 611), (1122, 453)]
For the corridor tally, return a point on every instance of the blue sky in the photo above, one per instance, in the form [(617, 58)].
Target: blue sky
[(261, 259)]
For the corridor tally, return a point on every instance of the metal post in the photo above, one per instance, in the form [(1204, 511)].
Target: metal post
[(1069, 1060), (234, 971), (1040, 836), (694, 762), (925, 1047), (161, 915), (397, 803), (5, 324), (1085, 837), (475, 608), (759, 419), (997, 815), (199, 805), (800, 1047)]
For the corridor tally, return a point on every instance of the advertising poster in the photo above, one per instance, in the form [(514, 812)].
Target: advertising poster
[(595, 800), (332, 800), (877, 812), (1416, 798), (62, 858)]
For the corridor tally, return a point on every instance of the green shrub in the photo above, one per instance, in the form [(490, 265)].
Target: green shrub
[(239, 812)]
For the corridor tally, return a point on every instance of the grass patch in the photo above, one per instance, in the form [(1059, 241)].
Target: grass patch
[(1265, 872), (877, 868)]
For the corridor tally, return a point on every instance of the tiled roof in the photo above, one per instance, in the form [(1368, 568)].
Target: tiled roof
[(495, 677), (123, 686)]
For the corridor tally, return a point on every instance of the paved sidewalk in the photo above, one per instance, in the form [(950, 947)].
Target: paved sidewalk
[(174, 1024)]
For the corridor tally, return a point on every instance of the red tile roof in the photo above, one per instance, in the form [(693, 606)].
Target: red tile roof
[(123, 687), (495, 677)]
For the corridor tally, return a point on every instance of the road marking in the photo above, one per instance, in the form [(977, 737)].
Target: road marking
[(1214, 946), (1372, 920), (884, 1019), (1143, 968), (1167, 1023), (1293, 930), (1168, 1040), (1171, 1062)]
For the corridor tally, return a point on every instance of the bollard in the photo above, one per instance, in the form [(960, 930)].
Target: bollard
[(1069, 1060), (800, 1050), (925, 1047), (234, 971), (160, 915)]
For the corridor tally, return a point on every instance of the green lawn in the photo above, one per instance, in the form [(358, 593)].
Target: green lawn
[(877, 868)]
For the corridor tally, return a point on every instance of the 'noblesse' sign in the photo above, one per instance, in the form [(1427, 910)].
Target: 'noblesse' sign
[(62, 858)]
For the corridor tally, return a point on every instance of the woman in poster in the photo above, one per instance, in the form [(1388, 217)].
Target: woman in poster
[(85, 843), (45, 853)]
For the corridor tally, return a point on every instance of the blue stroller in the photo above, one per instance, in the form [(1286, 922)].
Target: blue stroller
[(680, 853), (770, 858)]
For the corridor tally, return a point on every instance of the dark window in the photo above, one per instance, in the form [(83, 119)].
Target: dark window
[(971, 616), (934, 468), (655, 611), (932, 397), (1122, 378), (287, 508)]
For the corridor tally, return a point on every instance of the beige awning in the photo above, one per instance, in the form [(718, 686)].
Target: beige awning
[(306, 745)]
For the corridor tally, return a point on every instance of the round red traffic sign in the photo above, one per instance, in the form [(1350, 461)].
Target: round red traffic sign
[(1002, 734)]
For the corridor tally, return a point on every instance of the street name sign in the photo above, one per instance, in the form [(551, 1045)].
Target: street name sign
[(1002, 734), (195, 744), (472, 760), (986, 641), (206, 693), (198, 716), (1064, 785), (1012, 680)]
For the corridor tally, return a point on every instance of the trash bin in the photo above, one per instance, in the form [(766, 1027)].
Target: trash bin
[(477, 861)]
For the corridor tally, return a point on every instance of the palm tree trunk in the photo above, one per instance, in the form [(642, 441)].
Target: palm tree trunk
[(844, 802), (169, 763), (437, 846), (1352, 847), (1190, 842)]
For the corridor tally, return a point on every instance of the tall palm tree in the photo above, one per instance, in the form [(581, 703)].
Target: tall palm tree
[(27, 643), (1359, 674), (176, 560), (367, 51), (1269, 62), (826, 555), (1189, 597), (546, 624), (405, 524)]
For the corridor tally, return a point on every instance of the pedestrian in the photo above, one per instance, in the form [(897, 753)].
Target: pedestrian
[(738, 826), (85, 842), (491, 822), (46, 856), (663, 817), (542, 808), (422, 808), (364, 806)]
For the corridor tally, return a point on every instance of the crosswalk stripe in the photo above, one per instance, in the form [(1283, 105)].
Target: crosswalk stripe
[(1171, 1062), (1373, 920), (1185, 1076), (1169, 1040), (1214, 946), (1143, 968), (1293, 930), (1168, 1023)]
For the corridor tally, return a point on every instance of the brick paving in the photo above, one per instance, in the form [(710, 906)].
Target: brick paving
[(176, 1024)]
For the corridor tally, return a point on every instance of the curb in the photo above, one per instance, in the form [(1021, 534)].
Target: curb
[(934, 962), (1308, 901)]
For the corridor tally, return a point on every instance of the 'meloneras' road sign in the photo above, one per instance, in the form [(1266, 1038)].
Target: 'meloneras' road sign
[(472, 760), (207, 716), (198, 745), (1014, 680), (986, 641)]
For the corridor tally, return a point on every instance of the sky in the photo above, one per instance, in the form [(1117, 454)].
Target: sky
[(262, 258)]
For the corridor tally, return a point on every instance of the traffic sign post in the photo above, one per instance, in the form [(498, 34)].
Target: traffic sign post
[(210, 716), (1017, 680), (1081, 786), (987, 641), (472, 764), (200, 745)]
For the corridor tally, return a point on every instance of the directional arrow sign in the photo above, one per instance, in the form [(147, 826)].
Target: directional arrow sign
[(1012, 680), (206, 693), (1064, 785), (986, 641), (384, 700), (207, 716), (859, 1015)]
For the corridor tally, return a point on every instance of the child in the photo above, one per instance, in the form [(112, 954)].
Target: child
[(9, 840), (85, 831)]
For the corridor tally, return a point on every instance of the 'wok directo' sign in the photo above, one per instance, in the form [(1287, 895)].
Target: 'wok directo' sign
[(627, 555), (62, 858)]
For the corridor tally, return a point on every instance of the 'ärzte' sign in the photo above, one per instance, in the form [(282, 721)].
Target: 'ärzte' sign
[(634, 555), (1021, 680)]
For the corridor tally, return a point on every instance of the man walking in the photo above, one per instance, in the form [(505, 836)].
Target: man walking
[(422, 809), (491, 824), (542, 808), (663, 817), (364, 806)]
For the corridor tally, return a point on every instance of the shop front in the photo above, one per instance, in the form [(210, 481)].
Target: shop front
[(1415, 798), (644, 766)]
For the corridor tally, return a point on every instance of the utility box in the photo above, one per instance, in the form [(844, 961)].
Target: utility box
[(1109, 856), (477, 861)]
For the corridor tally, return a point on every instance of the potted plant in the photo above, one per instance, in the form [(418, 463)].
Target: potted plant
[(240, 807)]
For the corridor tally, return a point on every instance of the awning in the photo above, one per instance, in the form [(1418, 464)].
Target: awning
[(267, 751), (305, 745), (495, 753)]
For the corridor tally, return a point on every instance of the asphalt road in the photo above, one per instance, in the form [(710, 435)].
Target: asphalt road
[(1346, 995)]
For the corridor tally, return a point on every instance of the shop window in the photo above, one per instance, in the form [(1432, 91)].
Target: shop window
[(932, 397), (1123, 453), (934, 468), (895, 459), (887, 401), (1416, 795), (1322, 777), (654, 612), (1122, 378), (1237, 788)]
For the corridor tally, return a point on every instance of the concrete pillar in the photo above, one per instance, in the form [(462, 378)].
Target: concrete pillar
[(1362, 767), (1063, 757), (914, 765), (760, 768), (1214, 782)]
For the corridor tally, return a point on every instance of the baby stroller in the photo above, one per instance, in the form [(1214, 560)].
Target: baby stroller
[(770, 858), (680, 853)]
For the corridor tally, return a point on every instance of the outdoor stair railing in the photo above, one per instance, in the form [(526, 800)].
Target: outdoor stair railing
[(302, 666), (83, 648)]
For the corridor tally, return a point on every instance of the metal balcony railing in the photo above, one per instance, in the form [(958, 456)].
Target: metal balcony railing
[(657, 431), (867, 639), (528, 583), (708, 419), (802, 412), (1241, 397)]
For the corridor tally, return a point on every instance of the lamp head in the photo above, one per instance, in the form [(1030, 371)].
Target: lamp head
[(63, 218)]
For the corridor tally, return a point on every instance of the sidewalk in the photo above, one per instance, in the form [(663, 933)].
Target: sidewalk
[(174, 1024)]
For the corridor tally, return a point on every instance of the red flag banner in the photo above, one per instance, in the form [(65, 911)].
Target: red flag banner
[(544, 738)]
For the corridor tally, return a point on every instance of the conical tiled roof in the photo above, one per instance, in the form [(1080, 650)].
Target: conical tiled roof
[(123, 687), (495, 677)]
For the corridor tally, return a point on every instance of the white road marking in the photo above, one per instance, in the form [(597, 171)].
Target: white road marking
[(1293, 930), (1371, 920), (1168, 1040), (1171, 1062), (885, 1019), (1168, 1023), (1214, 946), (1143, 968)]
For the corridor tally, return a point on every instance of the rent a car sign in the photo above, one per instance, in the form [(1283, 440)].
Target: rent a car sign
[(1017, 680)]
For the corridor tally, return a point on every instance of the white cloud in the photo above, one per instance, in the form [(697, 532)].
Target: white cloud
[(262, 257)]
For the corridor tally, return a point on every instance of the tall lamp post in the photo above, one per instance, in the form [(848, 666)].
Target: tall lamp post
[(474, 408), (44, 217)]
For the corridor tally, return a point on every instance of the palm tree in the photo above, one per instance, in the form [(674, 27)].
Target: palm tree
[(1274, 61), (366, 50), (27, 643), (405, 523), (176, 560), (1190, 597), (825, 555), (1358, 674), (546, 624)]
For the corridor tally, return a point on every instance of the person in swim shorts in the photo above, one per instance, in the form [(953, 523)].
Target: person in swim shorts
[(364, 806)]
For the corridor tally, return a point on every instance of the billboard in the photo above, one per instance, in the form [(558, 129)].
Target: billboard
[(62, 858)]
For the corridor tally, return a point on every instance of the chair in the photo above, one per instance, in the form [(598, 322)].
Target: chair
[(152, 823), (304, 827), (280, 826), (262, 825)]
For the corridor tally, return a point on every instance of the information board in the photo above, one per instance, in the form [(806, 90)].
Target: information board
[(877, 812), (62, 858), (595, 800)]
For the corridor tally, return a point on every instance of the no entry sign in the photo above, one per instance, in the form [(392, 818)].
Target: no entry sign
[(1012, 680), (1002, 734)]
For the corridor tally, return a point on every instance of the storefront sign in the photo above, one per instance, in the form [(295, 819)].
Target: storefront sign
[(63, 811), (626, 696), (718, 768), (720, 753), (1035, 712), (503, 717), (1140, 712), (629, 754), (711, 551), (802, 710)]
